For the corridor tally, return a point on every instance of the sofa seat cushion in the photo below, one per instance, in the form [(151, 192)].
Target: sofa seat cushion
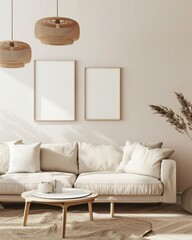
[(114, 183), (17, 183)]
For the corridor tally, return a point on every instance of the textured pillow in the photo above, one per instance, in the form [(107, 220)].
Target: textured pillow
[(59, 157), (94, 158), (147, 161), (128, 150), (5, 155), (24, 158), (153, 144)]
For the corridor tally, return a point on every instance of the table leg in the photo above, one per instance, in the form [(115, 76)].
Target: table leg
[(90, 211), (112, 209), (64, 219), (26, 212)]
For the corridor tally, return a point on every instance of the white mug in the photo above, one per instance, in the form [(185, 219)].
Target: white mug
[(47, 187)]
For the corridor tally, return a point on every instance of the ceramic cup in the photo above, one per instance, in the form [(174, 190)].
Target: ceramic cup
[(46, 187), (58, 186)]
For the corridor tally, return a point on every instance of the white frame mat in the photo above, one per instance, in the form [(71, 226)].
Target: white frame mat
[(54, 91), (102, 94)]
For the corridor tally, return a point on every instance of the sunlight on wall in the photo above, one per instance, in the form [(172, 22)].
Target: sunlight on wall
[(48, 110), (152, 42)]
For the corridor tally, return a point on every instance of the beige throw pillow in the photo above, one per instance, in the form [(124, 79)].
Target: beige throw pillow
[(5, 155), (147, 161), (94, 158), (24, 158), (59, 157), (128, 150), (153, 144)]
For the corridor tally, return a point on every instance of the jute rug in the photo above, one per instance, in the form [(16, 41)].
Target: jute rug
[(46, 225)]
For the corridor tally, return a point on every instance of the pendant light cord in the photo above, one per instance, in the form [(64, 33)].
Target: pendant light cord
[(12, 20), (57, 7)]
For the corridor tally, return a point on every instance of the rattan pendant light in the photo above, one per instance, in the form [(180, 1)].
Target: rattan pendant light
[(57, 30), (14, 54)]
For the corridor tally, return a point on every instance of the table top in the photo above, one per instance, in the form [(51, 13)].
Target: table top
[(65, 193), (28, 196)]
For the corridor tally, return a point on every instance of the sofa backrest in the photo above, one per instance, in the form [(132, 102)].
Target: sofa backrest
[(59, 157), (94, 158)]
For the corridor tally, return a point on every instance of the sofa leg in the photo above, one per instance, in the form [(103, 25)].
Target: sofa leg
[(1, 206), (112, 208)]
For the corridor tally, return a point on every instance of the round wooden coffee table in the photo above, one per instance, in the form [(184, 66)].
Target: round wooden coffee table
[(64, 203)]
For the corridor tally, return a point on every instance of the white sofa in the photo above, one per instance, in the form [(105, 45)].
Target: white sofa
[(95, 167)]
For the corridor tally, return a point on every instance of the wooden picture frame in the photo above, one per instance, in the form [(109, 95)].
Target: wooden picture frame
[(54, 91), (102, 94)]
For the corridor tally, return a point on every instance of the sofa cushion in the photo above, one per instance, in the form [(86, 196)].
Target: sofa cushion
[(93, 158), (24, 158), (17, 183), (151, 144), (5, 155), (129, 148), (114, 183), (147, 161), (59, 157)]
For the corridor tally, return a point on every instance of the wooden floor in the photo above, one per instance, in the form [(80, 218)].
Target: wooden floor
[(169, 221)]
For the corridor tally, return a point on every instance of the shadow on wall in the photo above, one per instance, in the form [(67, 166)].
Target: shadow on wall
[(12, 127), (82, 131), (47, 96), (96, 132)]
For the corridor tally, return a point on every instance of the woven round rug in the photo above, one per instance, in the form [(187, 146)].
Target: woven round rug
[(117, 228), (46, 224)]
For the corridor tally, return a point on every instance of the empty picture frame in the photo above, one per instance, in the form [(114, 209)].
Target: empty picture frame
[(54, 90), (103, 94)]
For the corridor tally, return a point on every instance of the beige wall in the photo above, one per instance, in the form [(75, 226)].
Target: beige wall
[(150, 39)]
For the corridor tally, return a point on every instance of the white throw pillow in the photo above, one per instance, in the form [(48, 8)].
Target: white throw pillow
[(5, 155), (24, 158), (94, 158), (59, 157), (128, 150), (147, 161)]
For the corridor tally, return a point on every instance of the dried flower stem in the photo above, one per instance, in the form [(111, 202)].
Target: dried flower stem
[(174, 119)]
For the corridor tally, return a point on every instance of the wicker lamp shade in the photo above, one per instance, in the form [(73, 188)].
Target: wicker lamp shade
[(14, 54), (57, 30)]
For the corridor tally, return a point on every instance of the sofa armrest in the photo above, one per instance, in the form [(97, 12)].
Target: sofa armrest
[(168, 178)]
